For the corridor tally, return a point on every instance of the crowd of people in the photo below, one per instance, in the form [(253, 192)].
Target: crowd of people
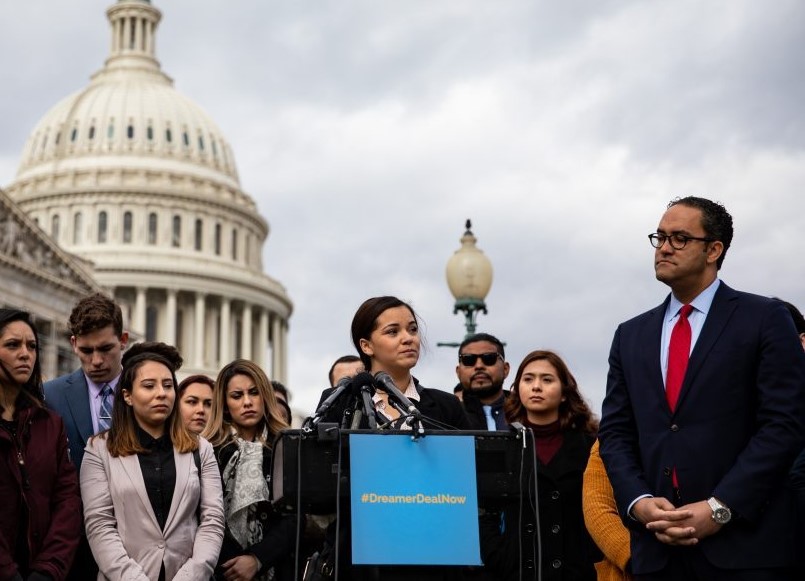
[(697, 470)]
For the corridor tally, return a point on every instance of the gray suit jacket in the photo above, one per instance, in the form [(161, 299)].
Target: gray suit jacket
[(68, 396), (122, 528)]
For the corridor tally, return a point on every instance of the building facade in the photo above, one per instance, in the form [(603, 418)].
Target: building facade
[(136, 179), (40, 277)]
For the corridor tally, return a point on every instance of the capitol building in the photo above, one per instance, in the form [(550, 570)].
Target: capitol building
[(128, 186)]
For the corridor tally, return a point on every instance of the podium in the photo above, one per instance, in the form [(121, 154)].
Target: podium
[(306, 468)]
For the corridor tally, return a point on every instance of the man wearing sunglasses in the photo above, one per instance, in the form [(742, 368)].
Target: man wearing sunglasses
[(481, 371)]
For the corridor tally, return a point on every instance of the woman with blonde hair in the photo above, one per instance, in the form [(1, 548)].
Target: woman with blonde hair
[(153, 507), (245, 419)]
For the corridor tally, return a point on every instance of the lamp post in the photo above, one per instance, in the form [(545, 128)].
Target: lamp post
[(469, 276)]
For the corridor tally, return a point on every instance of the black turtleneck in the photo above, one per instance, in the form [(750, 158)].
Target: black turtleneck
[(159, 472)]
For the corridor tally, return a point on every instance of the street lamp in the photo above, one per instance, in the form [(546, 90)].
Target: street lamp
[(469, 276)]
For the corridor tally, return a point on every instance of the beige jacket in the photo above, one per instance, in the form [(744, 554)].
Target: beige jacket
[(122, 529)]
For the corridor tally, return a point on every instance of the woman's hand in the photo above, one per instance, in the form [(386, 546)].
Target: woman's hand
[(242, 568)]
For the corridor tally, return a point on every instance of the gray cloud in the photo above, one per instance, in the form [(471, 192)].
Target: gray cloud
[(368, 132)]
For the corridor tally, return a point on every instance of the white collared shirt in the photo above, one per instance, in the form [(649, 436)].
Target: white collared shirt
[(701, 306), (381, 403), (94, 391)]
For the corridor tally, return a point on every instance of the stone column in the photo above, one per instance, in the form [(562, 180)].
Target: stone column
[(246, 332), (198, 331), (170, 317), (262, 338), (149, 37), (140, 35), (276, 347), (284, 356), (139, 311), (126, 33), (225, 332)]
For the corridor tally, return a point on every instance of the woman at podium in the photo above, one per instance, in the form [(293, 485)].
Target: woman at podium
[(258, 541), (385, 332), (545, 398)]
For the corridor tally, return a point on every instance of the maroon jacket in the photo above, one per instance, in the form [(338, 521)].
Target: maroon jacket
[(45, 486)]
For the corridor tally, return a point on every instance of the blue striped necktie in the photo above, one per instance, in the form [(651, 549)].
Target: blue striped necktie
[(105, 412)]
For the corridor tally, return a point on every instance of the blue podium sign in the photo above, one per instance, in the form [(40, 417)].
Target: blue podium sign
[(414, 502)]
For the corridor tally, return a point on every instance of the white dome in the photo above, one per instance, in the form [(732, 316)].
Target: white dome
[(136, 178), (130, 109), (132, 116)]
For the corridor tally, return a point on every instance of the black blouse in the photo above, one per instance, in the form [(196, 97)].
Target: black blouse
[(159, 472)]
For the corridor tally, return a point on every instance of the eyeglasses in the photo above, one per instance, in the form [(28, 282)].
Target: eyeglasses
[(677, 241), (469, 359)]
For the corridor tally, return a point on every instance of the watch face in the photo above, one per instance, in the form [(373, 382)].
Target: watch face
[(721, 516)]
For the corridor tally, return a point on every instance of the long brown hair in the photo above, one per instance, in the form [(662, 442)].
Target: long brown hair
[(574, 413), (219, 429), (121, 438), (31, 389)]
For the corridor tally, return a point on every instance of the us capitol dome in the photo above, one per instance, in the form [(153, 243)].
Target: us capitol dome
[(133, 177)]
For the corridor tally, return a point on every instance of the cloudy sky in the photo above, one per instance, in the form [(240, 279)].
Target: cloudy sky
[(368, 132)]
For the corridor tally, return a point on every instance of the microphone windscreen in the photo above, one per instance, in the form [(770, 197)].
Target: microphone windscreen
[(360, 381)]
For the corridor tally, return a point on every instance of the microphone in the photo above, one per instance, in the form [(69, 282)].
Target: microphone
[(363, 380), (383, 381), (340, 388), (362, 391)]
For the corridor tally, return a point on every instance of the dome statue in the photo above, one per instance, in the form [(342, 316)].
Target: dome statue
[(136, 178)]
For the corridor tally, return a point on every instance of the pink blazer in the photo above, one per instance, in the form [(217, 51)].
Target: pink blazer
[(122, 529)]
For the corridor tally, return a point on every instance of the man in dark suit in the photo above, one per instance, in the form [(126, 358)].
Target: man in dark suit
[(82, 398), (704, 414), (481, 371)]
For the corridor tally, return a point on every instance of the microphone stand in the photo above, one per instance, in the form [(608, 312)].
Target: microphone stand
[(414, 420), (368, 407)]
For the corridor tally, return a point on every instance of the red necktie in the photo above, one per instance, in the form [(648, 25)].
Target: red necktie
[(678, 354)]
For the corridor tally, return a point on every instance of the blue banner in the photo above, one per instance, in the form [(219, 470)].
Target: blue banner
[(414, 502)]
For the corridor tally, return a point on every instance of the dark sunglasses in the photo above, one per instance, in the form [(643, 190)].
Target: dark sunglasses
[(469, 359)]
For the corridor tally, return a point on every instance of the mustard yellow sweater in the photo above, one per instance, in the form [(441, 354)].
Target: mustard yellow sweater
[(603, 522)]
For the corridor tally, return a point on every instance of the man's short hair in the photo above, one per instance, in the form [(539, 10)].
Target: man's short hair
[(96, 312), (716, 221), (280, 388), (342, 359), (478, 337)]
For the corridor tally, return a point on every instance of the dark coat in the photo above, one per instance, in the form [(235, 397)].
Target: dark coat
[(279, 532), (475, 410), (734, 433), (68, 396), (568, 551), (39, 492)]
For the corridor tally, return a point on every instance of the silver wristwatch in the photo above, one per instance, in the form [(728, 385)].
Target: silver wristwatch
[(721, 514)]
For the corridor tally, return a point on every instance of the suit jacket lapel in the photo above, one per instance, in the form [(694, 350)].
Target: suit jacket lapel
[(721, 310), (183, 463), (131, 466), (652, 341), (427, 406), (77, 396)]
